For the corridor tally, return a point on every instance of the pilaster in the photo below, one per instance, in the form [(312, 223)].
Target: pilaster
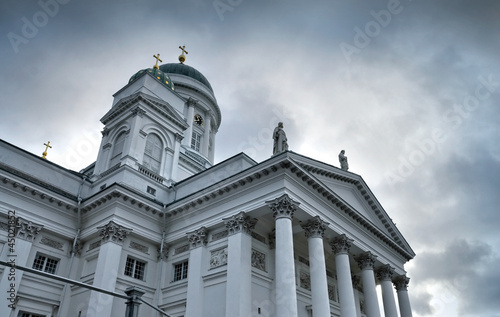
[(197, 243)]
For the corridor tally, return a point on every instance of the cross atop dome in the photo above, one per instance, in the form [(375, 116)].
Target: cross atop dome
[(182, 57)]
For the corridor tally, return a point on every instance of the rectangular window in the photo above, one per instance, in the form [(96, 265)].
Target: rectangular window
[(180, 271), (25, 314), (45, 264), (196, 141), (135, 268)]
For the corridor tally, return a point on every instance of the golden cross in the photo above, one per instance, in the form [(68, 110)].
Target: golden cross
[(157, 59), (44, 154), (182, 58)]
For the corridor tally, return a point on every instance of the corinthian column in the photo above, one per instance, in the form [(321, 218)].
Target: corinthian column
[(286, 294), (239, 266), (401, 285), (340, 247), (197, 243), (314, 230), (366, 261), (384, 274)]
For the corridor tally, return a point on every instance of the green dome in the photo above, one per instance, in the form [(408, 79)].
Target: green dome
[(183, 69), (161, 76)]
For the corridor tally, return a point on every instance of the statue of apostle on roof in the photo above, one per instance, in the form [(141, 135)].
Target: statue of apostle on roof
[(280, 141)]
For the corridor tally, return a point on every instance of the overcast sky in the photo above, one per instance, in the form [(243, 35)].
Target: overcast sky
[(410, 90)]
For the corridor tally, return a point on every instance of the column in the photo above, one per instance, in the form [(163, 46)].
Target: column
[(195, 288), (366, 261), (206, 133), (106, 273), (239, 267), (16, 251), (286, 293), (355, 285), (190, 117), (314, 231), (401, 285), (175, 160), (340, 247), (384, 274)]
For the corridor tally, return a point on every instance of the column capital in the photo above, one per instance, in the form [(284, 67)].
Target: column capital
[(239, 223), (315, 228), (385, 272), (282, 207), (198, 238), (401, 283), (341, 244), (366, 261), (113, 232), (26, 229)]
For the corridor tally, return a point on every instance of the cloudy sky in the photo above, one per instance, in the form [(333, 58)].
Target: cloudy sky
[(410, 89)]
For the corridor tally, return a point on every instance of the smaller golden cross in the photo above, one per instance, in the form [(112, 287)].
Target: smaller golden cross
[(44, 154), (157, 59), (182, 57)]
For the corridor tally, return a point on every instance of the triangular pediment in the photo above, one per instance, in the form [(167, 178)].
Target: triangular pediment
[(351, 194)]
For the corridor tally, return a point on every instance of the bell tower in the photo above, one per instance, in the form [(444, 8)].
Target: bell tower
[(161, 125)]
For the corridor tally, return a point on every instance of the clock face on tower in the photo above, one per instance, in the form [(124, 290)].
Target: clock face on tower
[(198, 120)]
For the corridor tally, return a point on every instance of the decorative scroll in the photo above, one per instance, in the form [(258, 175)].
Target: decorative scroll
[(27, 230), (283, 207), (385, 272), (259, 260), (401, 283), (240, 223), (113, 232), (198, 237), (341, 244), (315, 228), (218, 258), (366, 261)]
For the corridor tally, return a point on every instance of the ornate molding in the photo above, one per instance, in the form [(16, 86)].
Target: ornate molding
[(259, 260), (401, 283), (51, 243), (139, 247), (239, 223), (218, 257), (113, 232), (385, 272), (282, 207), (198, 238), (366, 261), (341, 244), (138, 111), (305, 280), (315, 228), (26, 229)]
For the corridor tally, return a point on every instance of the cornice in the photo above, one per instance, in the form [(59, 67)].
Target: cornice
[(162, 107)]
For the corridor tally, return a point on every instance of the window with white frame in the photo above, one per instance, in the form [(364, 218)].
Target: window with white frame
[(45, 264), (152, 153), (25, 314), (135, 268), (180, 271), (196, 141), (116, 155)]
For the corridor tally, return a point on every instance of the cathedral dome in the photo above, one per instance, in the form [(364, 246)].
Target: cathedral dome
[(183, 69), (160, 75)]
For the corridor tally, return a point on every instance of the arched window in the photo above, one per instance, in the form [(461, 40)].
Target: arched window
[(152, 153), (117, 150)]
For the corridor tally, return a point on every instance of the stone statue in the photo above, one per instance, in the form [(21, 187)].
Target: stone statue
[(280, 141), (343, 161)]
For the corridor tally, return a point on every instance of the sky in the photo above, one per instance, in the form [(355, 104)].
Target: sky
[(409, 89)]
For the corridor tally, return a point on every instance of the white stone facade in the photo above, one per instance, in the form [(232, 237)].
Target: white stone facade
[(289, 236)]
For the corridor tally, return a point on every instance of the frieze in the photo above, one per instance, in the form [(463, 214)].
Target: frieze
[(218, 258), (258, 237), (219, 235), (181, 249), (94, 245), (139, 247), (305, 280), (259, 260), (51, 243), (27, 230)]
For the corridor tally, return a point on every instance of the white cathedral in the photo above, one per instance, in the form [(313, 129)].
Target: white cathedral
[(154, 228)]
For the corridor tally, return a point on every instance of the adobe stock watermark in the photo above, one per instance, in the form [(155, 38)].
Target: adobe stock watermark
[(31, 27), (372, 29), (223, 6), (424, 148)]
